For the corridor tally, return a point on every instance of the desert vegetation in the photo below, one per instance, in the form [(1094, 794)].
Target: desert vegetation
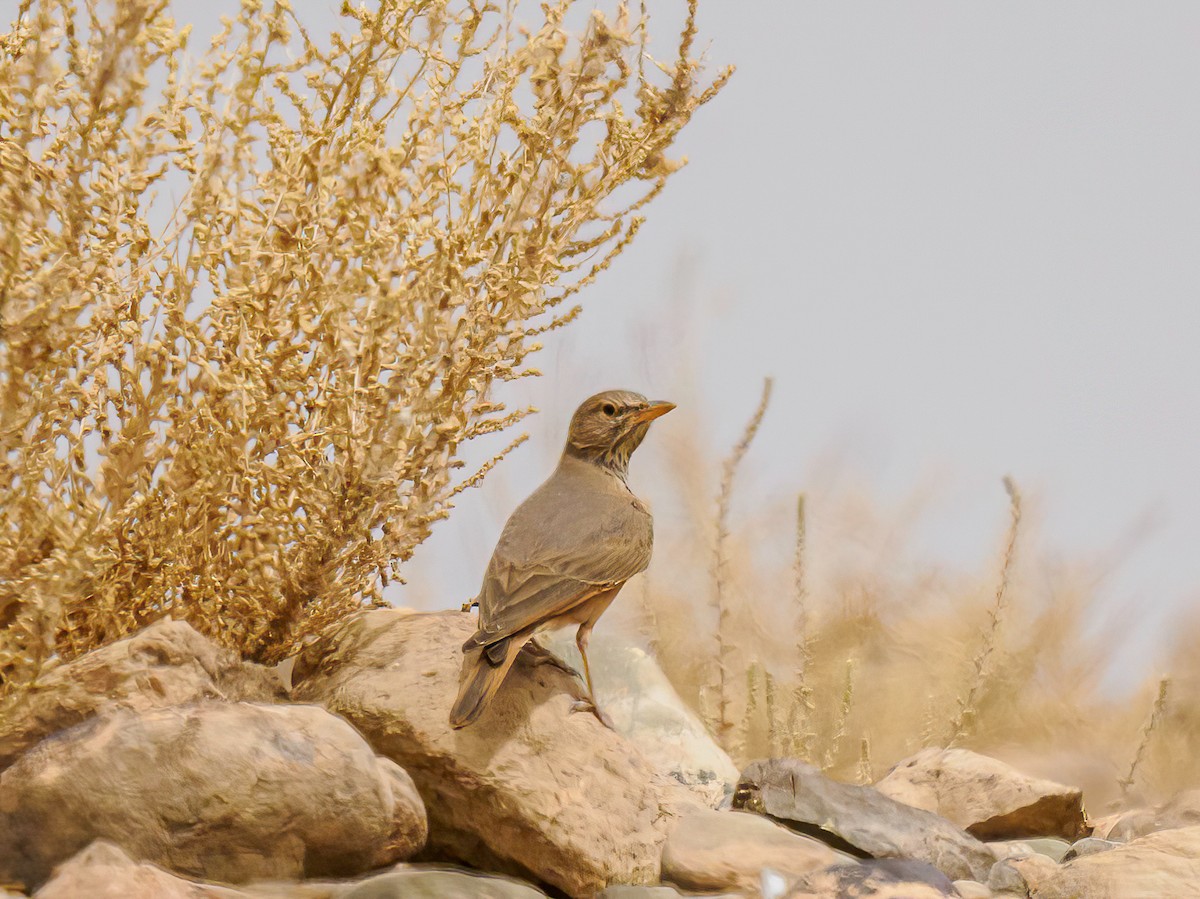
[(253, 305)]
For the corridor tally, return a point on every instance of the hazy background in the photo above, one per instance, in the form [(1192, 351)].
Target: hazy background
[(963, 240)]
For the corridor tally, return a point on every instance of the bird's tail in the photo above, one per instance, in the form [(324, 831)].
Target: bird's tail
[(483, 670)]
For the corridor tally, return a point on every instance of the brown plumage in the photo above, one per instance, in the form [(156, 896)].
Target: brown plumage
[(566, 551)]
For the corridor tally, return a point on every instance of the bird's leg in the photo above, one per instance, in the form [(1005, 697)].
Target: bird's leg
[(540, 655), (581, 640)]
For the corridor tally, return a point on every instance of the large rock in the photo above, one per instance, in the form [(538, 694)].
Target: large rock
[(168, 663), (221, 791), (860, 820), (1163, 864), (104, 871), (984, 796), (645, 709), (530, 789), (711, 850)]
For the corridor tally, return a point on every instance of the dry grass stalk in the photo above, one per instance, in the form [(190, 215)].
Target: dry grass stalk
[(843, 716), (866, 770), (724, 726), (964, 720), (775, 724), (1153, 721), (737, 748), (800, 735), (247, 323)]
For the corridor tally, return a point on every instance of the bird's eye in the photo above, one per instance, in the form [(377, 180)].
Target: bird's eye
[(609, 409)]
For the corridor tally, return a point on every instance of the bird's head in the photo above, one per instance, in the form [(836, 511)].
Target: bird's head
[(609, 426)]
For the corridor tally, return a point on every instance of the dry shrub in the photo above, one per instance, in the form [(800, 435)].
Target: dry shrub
[(249, 316)]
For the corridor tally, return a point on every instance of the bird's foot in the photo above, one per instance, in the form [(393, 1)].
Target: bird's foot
[(540, 655), (589, 705)]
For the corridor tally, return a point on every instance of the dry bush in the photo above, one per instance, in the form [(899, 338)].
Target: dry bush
[(250, 315)]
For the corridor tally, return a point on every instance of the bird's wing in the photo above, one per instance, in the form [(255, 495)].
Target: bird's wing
[(553, 555)]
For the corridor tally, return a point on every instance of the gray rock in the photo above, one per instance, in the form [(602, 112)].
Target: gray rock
[(1020, 875), (1089, 846), (440, 883), (859, 820), (530, 789), (1051, 847), (629, 891), (169, 663), (220, 791), (646, 710)]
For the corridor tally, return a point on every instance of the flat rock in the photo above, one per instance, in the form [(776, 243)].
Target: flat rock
[(1157, 866), (715, 850), (645, 709), (972, 889), (876, 879), (440, 883), (860, 820), (984, 796), (169, 663), (1053, 849), (530, 789), (104, 871), (219, 791)]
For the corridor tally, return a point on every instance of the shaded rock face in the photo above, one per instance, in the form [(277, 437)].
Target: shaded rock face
[(168, 663), (530, 788), (984, 796), (712, 850), (222, 791), (1163, 864), (645, 709), (859, 820)]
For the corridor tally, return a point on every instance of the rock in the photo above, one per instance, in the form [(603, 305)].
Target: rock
[(1181, 810), (712, 850), (1088, 846), (1160, 865), (530, 789), (984, 796), (1053, 849), (972, 889), (878, 879), (860, 820), (440, 883), (629, 891), (220, 791), (104, 871), (169, 663), (1020, 875), (646, 710)]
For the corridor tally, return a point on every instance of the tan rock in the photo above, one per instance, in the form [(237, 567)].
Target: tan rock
[(104, 871), (530, 789), (220, 791), (168, 663), (1161, 865), (878, 879), (984, 796), (711, 850), (429, 882)]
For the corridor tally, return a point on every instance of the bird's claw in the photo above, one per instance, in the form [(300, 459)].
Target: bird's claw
[(589, 705)]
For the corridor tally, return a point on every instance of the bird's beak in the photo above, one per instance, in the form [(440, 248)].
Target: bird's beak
[(651, 412)]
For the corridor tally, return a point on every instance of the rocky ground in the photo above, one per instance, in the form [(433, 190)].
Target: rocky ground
[(163, 766)]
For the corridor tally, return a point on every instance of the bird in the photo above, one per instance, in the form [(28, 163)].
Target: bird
[(565, 553)]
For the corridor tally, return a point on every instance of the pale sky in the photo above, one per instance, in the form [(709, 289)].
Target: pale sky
[(962, 237)]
